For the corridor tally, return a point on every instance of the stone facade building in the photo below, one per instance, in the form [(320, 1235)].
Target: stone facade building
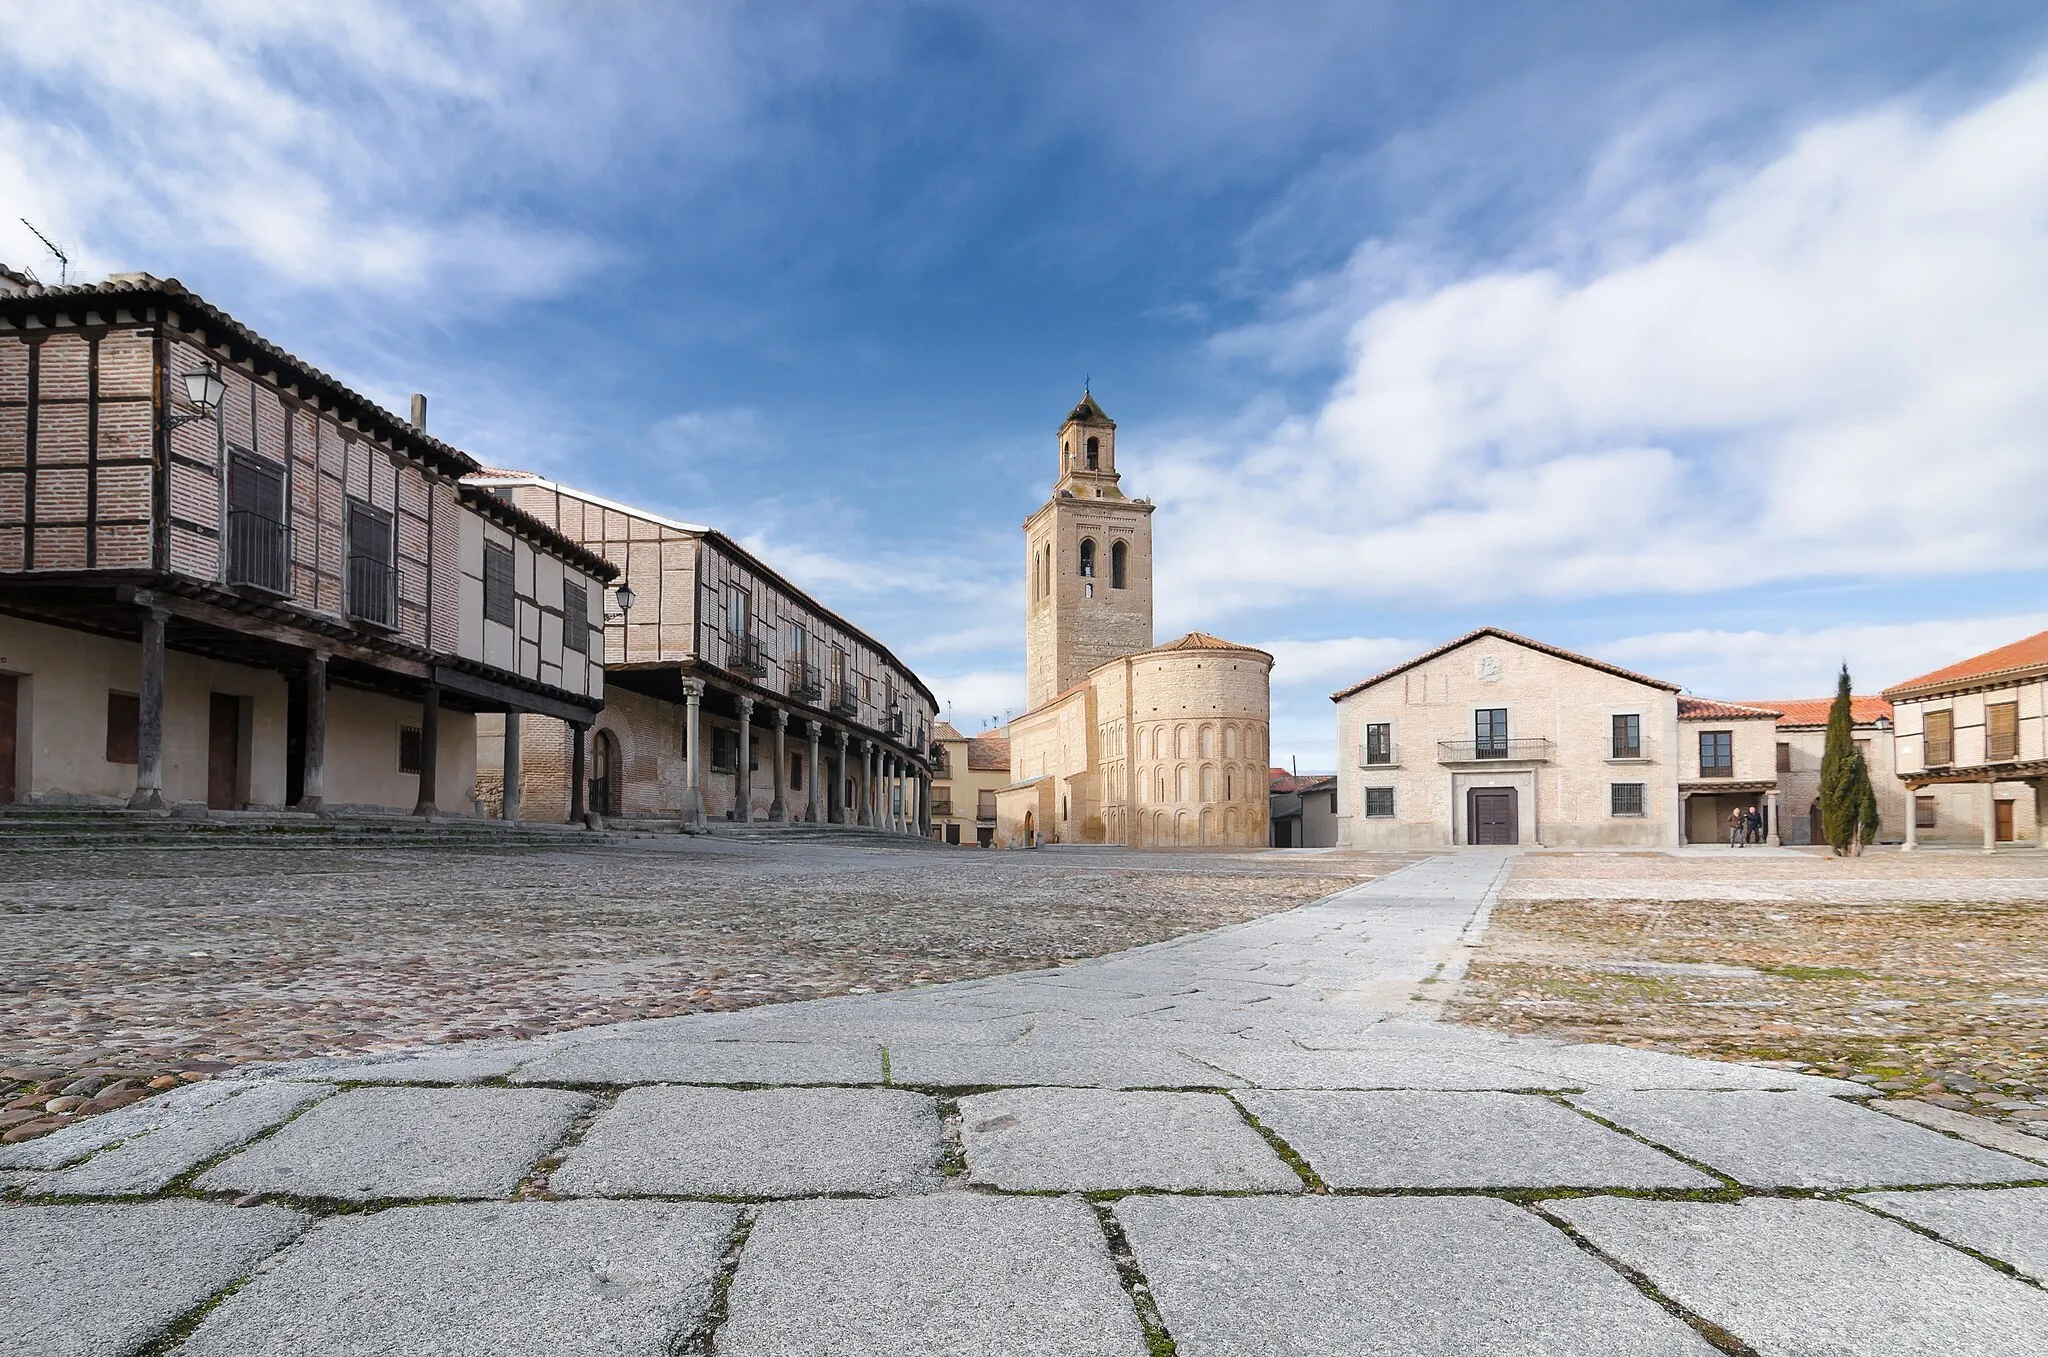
[(1125, 742), (733, 694), (1802, 742), (227, 580), (967, 772), (1972, 747), (1497, 739)]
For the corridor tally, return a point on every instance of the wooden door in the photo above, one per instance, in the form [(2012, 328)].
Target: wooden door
[(10, 713), (1493, 815), (2002, 826), (223, 750)]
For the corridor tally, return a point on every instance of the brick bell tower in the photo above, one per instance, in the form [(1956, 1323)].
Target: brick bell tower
[(1088, 563)]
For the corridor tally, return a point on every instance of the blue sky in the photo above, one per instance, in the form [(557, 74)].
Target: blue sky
[(1708, 338)]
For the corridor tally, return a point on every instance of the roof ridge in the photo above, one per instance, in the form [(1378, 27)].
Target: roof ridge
[(1514, 638)]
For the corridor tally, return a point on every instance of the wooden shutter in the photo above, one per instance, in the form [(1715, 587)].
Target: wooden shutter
[(498, 594), (1940, 738), (2002, 731), (575, 616)]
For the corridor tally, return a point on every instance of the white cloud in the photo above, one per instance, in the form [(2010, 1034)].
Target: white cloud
[(1338, 661), (1803, 663), (1831, 368), (978, 698)]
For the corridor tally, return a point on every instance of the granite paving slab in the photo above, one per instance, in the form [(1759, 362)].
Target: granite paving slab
[(1624, 1067), (1453, 1140), (2006, 1223), (1801, 1139), (75, 1142), (521, 1279), (1291, 1067), (948, 1275), (1793, 1278), (716, 1142), (149, 1162), (1087, 1139), (405, 1143), (679, 1060), (459, 1065), (1095, 1064), (102, 1279), (1385, 1277)]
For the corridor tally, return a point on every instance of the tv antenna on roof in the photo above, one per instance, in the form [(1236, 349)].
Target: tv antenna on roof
[(63, 259)]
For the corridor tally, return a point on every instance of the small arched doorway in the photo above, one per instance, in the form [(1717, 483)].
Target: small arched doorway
[(604, 774), (1030, 828)]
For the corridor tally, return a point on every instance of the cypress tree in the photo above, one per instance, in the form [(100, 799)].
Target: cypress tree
[(1848, 803)]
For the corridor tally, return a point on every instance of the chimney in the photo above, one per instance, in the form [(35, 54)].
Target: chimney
[(419, 412)]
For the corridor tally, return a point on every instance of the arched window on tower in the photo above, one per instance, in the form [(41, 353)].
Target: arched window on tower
[(1119, 552), (1087, 558), (1094, 454)]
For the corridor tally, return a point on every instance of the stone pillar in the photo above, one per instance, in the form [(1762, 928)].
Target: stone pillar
[(1990, 817), (693, 757), (811, 807), (149, 716), (313, 784), (866, 789), (575, 733), (743, 775), (885, 792), (1771, 836), (430, 750), (513, 721), (835, 795), (1912, 820), (778, 809)]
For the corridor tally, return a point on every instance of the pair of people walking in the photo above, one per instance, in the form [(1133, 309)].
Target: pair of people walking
[(1745, 826)]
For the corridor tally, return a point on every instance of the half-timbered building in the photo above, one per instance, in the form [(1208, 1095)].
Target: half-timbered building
[(733, 694), (225, 578), (1970, 743)]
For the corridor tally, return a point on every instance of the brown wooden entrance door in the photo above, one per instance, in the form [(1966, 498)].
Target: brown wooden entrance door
[(604, 763), (1492, 815), (223, 749), (2002, 823), (10, 713)]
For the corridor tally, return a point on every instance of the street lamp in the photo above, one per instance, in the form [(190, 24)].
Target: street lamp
[(204, 389), (623, 596)]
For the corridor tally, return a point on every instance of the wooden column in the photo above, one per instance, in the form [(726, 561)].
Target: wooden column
[(778, 809), (576, 803), (430, 750), (313, 784), (514, 720), (149, 703), (693, 758)]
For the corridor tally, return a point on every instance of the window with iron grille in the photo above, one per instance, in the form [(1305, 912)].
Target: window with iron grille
[(370, 576), (1940, 738), (411, 747), (1923, 812), (1625, 798), (1379, 742), (499, 601), (1628, 736), (1717, 753), (258, 543), (576, 616), (725, 751), (1379, 803)]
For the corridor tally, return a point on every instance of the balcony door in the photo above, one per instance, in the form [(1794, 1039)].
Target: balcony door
[(1490, 733)]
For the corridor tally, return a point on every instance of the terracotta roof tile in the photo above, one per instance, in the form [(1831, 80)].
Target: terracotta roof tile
[(989, 752), (1447, 647), (946, 730), (1280, 782), (1813, 711), (2017, 660), (1705, 709)]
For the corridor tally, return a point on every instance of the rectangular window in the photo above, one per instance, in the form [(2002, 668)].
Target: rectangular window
[(370, 593), (1625, 798), (1940, 738), (799, 646), (1923, 812), (1490, 733), (1717, 753), (1379, 742), (410, 745), (1784, 757), (2001, 732), (725, 751), (576, 616), (124, 722), (739, 611), (796, 772), (1628, 736), (984, 805), (1379, 803), (259, 551), (498, 596)]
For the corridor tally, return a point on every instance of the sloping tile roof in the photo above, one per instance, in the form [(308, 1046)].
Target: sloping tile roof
[(1201, 640), (989, 752), (1280, 782), (946, 730), (1448, 646), (1705, 709), (2021, 659), (1813, 711), (1087, 411)]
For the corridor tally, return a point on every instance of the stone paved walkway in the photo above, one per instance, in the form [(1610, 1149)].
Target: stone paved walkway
[(1253, 1141)]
